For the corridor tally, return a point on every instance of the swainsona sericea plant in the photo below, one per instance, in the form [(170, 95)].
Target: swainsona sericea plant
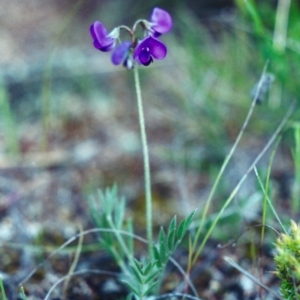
[(137, 51), (144, 276), (143, 51)]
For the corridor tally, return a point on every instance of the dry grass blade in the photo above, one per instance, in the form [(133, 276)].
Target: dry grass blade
[(246, 273), (78, 273), (75, 261)]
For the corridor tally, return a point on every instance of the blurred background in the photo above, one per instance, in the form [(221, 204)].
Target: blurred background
[(68, 118)]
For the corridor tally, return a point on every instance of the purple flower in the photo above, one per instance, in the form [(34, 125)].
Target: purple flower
[(121, 54), (102, 41), (143, 52), (161, 22), (148, 49)]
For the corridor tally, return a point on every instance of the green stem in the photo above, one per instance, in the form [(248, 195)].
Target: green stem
[(3, 295), (269, 201), (281, 25), (146, 161), (23, 296), (296, 157), (9, 124), (266, 192)]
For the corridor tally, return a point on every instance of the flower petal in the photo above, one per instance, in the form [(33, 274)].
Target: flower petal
[(157, 49), (148, 49), (145, 58), (162, 21), (120, 53), (99, 34), (151, 45)]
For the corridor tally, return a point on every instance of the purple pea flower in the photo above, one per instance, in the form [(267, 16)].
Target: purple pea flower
[(161, 22), (102, 41), (121, 54), (148, 49), (143, 52)]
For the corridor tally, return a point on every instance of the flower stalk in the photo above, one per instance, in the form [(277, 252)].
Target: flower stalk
[(147, 176)]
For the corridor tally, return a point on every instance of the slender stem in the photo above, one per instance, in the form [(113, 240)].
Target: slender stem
[(269, 202), (139, 21), (121, 241), (296, 157), (281, 25), (266, 192), (74, 263), (251, 277), (2, 290), (146, 161)]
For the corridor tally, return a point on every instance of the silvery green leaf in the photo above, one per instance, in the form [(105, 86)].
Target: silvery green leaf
[(171, 234), (184, 225), (180, 230), (171, 240), (189, 219), (150, 278), (148, 268), (162, 245), (156, 255), (119, 213), (138, 266), (150, 288), (129, 239), (136, 272), (131, 287), (172, 224)]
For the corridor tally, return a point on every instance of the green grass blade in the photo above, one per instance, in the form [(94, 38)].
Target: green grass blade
[(2, 290)]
